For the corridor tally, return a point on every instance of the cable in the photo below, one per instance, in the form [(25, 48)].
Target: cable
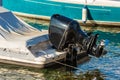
[(60, 62)]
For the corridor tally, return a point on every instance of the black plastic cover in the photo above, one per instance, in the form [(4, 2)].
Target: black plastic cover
[(63, 31)]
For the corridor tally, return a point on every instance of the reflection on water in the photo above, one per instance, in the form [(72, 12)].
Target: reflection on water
[(13, 72), (106, 67)]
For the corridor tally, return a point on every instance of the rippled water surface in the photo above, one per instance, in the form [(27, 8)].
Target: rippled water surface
[(106, 67), (109, 65)]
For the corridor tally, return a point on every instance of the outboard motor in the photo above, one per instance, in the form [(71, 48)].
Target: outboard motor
[(66, 35)]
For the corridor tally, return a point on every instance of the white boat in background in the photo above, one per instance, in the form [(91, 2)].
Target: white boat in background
[(95, 12)]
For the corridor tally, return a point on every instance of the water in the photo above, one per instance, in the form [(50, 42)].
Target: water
[(108, 64), (103, 68)]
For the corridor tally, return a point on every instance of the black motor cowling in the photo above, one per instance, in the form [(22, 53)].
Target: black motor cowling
[(64, 31)]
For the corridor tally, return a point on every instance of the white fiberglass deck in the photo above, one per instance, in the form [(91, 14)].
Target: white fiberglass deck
[(20, 42)]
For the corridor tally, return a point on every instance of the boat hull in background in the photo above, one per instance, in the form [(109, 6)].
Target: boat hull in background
[(97, 12)]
